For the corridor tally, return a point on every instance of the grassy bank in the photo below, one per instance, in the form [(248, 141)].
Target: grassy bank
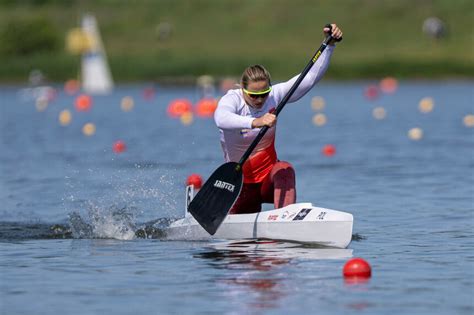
[(381, 37)]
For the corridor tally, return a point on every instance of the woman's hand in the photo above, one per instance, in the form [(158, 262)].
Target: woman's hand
[(336, 33), (266, 120)]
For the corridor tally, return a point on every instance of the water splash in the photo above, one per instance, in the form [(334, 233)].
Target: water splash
[(116, 224), (101, 222)]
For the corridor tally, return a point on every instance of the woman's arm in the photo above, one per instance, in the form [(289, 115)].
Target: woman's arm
[(226, 116), (314, 75)]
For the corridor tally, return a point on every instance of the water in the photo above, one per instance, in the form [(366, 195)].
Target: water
[(69, 204)]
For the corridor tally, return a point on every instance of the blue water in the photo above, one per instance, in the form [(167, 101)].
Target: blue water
[(412, 203)]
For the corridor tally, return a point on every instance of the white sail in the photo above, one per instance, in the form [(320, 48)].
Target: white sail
[(95, 74)]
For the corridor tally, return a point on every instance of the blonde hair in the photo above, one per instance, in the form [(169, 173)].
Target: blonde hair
[(254, 73)]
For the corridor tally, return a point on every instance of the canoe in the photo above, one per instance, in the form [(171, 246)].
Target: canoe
[(300, 222)]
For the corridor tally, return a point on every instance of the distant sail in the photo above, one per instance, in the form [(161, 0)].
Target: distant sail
[(95, 74)]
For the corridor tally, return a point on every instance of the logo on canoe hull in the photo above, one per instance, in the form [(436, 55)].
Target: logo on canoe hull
[(223, 185), (272, 217), (302, 214)]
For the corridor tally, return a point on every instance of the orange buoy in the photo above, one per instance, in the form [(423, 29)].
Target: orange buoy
[(388, 85), (72, 86), (357, 268), (329, 150), (206, 107), (178, 107), (194, 179), (119, 146), (83, 103)]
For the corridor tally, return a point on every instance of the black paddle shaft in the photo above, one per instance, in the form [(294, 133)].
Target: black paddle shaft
[(283, 102)]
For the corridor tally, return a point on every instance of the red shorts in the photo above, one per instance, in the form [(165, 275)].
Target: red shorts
[(278, 187)]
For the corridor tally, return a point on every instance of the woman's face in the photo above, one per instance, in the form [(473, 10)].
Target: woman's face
[(256, 93)]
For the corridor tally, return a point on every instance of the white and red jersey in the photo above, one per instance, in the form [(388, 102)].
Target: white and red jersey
[(234, 119)]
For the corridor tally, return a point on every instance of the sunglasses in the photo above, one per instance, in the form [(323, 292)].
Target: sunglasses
[(259, 94)]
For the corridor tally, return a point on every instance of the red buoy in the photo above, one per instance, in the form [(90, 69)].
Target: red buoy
[(194, 179), (119, 146), (179, 107), (149, 93), (206, 107), (371, 92), (83, 103), (329, 150), (357, 268)]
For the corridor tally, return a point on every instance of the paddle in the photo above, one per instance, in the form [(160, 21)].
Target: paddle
[(216, 197)]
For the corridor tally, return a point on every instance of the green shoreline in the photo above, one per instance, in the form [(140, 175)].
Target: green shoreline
[(18, 71), (221, 37)]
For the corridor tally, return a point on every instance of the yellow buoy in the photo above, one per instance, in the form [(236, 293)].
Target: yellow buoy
[(187, 118), (469, 120), (379, 113), (426, 105), (415, 134), (88, 129), (319, 119), (65, 117), (317, 103), (127, 104)]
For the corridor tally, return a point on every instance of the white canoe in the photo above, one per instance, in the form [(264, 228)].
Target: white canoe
[(300, 222)]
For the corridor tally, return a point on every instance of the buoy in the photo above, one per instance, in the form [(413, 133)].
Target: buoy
[(206, 107), (127, 104), (317, 103), (426, 105), (187, 118), (388, 85), (194, 179), (65, 117), (371, 92), (148, 93), (357, 268), (119, 146), (415, 134), (71, 87), (468, 120), (83, 103), (379, 113), (178, 107), (88, 129), (329, 150), (319, 119)]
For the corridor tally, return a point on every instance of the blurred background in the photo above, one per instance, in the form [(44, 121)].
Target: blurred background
[(178, 41)]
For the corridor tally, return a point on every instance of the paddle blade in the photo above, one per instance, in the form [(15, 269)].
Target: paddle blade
[(212, 203)]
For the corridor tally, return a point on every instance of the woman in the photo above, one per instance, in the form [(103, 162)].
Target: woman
[(239, 116)]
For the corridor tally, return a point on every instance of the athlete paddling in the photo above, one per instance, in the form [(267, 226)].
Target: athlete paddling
[(239, 115)]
